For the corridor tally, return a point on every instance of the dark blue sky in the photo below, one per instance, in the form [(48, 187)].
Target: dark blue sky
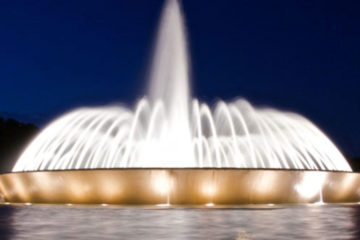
[(302, 56)]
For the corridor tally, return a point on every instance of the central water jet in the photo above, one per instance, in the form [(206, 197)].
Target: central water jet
[(169, 89)]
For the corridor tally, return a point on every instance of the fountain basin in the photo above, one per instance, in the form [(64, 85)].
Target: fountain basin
[(180, 186)]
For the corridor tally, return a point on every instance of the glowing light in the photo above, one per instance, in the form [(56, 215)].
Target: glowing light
[(209, 190), (7, 203), (104, 204), (265, 182), (163, 205), (69, 204), (311, 184), (319, 203), (28, 204), (270, 204), (162, 184)]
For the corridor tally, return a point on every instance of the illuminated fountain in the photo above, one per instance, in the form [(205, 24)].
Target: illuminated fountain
[(169, 130), (172, 149)]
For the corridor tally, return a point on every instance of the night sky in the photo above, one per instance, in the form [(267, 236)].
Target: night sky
[(302, 56)]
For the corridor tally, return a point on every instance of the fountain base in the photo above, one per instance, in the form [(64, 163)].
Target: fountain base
[(196, 186)]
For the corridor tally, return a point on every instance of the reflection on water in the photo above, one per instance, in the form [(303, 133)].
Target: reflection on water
[(82, 222)]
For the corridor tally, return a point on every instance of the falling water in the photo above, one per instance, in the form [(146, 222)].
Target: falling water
[(168, 129), (169, 89)]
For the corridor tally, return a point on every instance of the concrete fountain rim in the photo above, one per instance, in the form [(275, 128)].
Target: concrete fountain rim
[(192, 186), (184, 169)]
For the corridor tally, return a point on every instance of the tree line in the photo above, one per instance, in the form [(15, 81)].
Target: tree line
[(14, 137)]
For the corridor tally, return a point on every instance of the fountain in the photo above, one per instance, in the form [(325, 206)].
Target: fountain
[(172, 149)]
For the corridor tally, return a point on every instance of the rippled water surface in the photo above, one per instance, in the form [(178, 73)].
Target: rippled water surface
[(84, 222)]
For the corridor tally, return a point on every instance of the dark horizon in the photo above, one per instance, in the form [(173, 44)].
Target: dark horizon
[(297, 56)]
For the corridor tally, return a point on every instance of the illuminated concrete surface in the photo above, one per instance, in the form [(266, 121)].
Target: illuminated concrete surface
[(208, 187)]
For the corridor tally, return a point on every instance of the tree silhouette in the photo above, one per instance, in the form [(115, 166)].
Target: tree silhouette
[(14, 137)]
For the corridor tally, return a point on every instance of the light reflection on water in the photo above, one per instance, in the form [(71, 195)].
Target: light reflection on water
[(83, 222)]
